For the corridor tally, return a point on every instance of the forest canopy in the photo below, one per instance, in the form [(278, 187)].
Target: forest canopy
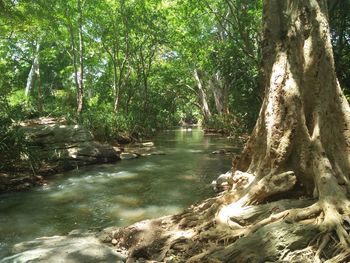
[(135, 67), (109, 64)]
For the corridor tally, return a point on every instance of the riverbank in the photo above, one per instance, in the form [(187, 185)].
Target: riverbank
[(54, 146), (14, 182)]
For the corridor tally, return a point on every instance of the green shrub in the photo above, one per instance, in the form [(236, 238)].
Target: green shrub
[(14, 151), (234, 124)]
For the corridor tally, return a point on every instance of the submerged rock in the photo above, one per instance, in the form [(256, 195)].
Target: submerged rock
[(223, 182), (19, 181), (147, 144), (77, 247), (128, 155), (157, 153), (223, 151)]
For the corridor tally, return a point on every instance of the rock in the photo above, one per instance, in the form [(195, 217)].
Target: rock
[(124, 139), (67, 146), (147, 144), (77, 248), (224, 178), (157, 153), (56, 147), (127, 156), (118, 150), (19, 181), (208, 131), (56, 134), (238, 181), (223, 182), (222, 151), (153, 153), (43, 120)]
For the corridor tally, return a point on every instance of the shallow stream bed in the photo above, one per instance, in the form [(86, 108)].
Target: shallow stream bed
[(117, 194)]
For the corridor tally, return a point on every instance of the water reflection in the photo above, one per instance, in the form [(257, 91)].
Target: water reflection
[(117, 194)]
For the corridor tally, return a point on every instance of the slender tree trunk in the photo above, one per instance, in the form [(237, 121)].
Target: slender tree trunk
[(123, 78), (33, 70), (74, 62), (220, 93), (40, 92), (144, 73), (116, 86), (145, 86), (80, 87), (202, 96), (127, 104)]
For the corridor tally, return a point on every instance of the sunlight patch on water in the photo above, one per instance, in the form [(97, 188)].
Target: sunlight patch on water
[(146, 166), (137, 214), (194, 151), (124, 175), (188, 177), (66, 196), (128, 200), (99, 178)]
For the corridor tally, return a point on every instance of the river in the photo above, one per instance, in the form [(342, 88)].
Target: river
[(117, 194)]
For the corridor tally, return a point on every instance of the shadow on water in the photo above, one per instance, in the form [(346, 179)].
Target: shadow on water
[(117, 194)]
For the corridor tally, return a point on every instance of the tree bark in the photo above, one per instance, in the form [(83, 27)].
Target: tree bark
[(33, 70), (34, 77), (116, 87), (74, 62), (304, 121), (304, 117), (202, 96), (220, 93), (80, 86), (40, 92)]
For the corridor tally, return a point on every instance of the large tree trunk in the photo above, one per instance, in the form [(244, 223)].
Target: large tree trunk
[(299, 149), (303, 122)]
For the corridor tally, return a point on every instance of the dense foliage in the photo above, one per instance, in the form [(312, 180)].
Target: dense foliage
[(340, 31), (134, 67)]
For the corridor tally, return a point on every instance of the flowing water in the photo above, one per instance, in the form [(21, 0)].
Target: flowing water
[(117, 194)]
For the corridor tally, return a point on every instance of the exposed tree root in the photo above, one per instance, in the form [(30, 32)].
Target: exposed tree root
[(257, 191), (341, 257), (288, 230)]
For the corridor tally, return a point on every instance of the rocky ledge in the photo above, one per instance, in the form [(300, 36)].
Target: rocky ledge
[(56, 147), (67, 146)]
